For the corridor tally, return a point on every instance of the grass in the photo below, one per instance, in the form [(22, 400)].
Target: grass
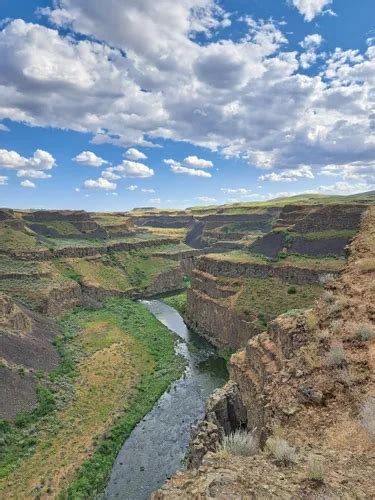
[(283, 453), (263, 299), (178, 302), (330, 234), (315, 469), (239, 443), (241, 257), (13, 239), (116, 362), (364, 331), (63, 227), (166, 231), (10, 265)]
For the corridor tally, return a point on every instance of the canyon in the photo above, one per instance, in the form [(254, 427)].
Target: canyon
[(258, 281)]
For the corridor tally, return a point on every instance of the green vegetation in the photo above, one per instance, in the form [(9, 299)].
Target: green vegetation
[(116, 362), (178, 302), (255, 301), (63, 227), (322, 235), (324, 263), (16, 239)]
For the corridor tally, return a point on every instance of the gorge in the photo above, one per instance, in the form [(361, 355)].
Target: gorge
[(89, 373)]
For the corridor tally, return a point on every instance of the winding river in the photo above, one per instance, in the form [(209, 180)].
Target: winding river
[(156, 447)]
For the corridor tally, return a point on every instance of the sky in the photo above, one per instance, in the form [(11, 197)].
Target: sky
[(136, 103)]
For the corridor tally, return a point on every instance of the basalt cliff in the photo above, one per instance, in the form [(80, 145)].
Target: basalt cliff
[(304, 385)]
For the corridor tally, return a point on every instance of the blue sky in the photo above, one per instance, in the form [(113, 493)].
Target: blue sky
[(216, 101)]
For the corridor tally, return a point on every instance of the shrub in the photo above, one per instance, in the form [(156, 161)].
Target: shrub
[(240, 442), (336, 356), (323, 335), (311, 320), (364, 331), (315, 470), (336, 327), (368, 417), (281, 450), (292, 290), (328, 297)]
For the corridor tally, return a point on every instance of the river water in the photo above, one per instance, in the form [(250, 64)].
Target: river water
[(156, 447)]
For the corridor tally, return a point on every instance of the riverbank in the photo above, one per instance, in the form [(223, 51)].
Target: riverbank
[(116, 362)]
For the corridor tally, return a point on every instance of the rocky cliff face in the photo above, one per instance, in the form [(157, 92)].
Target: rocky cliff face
[(308, 380)]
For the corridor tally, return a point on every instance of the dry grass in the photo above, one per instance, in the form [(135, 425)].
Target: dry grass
[(366, 265), (336, 356), (315, 469), (281, 450), (240, 443)]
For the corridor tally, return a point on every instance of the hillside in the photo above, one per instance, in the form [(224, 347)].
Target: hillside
[(305, 389)]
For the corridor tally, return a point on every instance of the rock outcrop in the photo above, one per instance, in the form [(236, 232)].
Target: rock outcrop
[(295, 388)]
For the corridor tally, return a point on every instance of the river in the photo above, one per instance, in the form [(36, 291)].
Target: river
[(155, 449)]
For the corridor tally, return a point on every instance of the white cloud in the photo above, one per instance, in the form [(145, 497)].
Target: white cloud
[(108, 174), (77, 190), (135, 154), (145, 190), (178, 169), (132, 187), (89, 158), (27, 184), (345, 188), (133, 169), (100, 183), (312, 41), (206, 199), (311, 8), (354, 171), (3, 180), (3, 128), (243, 98), (156, 201), (41, 160), (242, 191), (33, 174), (289, 175), (195, 162)]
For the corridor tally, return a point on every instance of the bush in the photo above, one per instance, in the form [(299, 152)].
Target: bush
[(337, 327), (336, 356), (281, 450), (240, 443), (328, 297), (368, 417), (315, 470), (364, 331), (292, 290)]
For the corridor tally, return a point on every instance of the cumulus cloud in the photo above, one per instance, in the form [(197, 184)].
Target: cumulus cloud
[(157, 80), (100, 183), (179, 169), (354, 171), (289, 175), (156, 201), (27, 184), (132, 169), (33, 174), (3, 180), (132, 187), (110, 175), (3, 128), (241, 191), (345, 188), (41, 160), (135, 154), (195, 162), (145, 190), (89, 158), (311, 8)]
